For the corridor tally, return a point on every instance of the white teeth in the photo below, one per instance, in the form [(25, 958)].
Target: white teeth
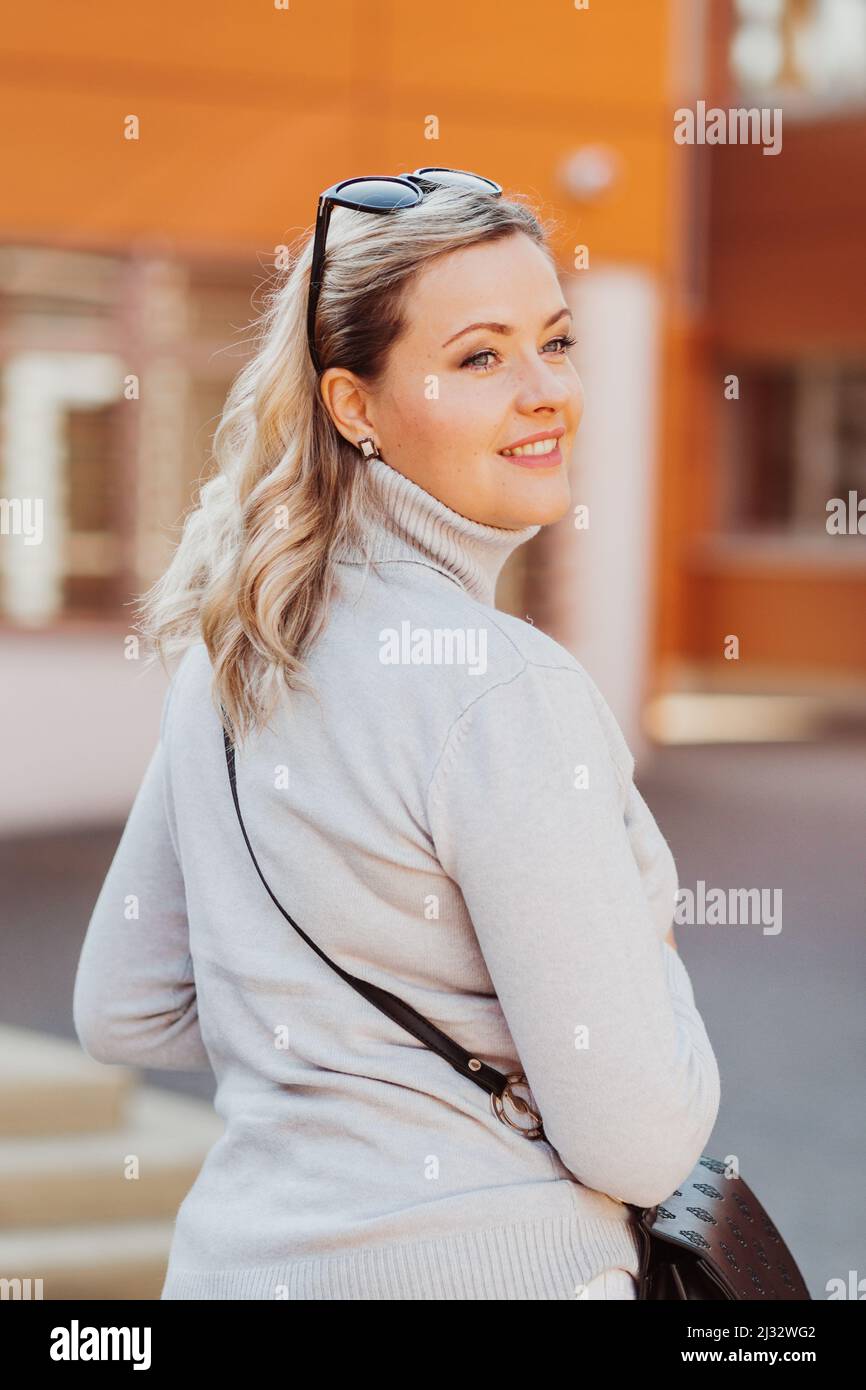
[(541, 446)]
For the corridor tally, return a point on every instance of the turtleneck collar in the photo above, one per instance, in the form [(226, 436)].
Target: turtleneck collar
[(400, 521)]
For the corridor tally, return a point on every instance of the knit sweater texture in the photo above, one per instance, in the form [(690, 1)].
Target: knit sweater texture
[(452, 815)]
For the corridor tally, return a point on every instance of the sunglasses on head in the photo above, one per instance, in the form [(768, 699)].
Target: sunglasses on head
[(378, 193)]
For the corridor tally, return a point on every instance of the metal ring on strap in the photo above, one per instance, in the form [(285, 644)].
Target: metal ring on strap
[(534, 1129)]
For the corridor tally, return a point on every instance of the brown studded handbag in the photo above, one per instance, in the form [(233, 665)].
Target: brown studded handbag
[(711, 1239)]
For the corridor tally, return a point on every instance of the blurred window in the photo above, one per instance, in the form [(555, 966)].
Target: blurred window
[(113, 375), (815, 48), (797, 439), (92, 563)]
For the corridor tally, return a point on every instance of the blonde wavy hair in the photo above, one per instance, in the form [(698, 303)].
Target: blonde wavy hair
[(252, 574)]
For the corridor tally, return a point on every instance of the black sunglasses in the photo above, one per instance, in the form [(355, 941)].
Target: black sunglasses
[(378, 193)]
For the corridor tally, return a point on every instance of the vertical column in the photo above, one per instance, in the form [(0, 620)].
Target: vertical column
[(160, 314), (605, 608)]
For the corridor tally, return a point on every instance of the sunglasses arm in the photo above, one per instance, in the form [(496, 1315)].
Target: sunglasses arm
[(323, 218)]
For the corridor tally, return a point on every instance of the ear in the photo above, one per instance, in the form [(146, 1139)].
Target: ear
[(347, 402)]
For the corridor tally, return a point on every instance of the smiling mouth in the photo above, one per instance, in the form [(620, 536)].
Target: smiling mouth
[(544, 453), (541, 446)]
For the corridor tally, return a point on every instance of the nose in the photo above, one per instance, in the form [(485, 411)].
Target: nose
[(542, 385)]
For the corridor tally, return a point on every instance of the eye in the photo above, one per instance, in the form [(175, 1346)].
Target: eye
[(473, 360), (564, 340)]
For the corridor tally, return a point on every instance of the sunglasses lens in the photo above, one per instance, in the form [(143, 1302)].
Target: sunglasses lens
[(379, 193), (459, 178)]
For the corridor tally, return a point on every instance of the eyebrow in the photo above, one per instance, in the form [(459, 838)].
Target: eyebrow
[(506, 328)]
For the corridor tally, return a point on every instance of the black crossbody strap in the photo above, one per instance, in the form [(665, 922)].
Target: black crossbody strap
[(496, 1083)]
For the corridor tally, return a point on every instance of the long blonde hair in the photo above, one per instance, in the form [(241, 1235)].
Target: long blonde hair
[(252, 573)]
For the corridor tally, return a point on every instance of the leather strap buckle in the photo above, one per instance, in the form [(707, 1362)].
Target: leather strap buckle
[(533, 1128)]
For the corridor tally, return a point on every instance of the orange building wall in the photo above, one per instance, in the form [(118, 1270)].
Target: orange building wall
[(247, 112), (780, 249)]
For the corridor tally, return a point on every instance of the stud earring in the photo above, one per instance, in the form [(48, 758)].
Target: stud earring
[(369, 448)]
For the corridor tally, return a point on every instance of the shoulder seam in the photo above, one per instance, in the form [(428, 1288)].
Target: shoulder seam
[(460, 717), (166, 702), (576, 670)]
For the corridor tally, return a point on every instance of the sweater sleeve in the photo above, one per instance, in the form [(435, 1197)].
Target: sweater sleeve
[(527, 810), (134, 998)]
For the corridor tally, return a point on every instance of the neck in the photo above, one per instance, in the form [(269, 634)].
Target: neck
[(401, 521)]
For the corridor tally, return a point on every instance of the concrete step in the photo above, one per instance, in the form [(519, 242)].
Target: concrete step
[(143, 1168), (120, 1261), (49, 1086)]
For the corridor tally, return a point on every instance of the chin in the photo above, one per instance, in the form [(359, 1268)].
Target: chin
[(537, 500)]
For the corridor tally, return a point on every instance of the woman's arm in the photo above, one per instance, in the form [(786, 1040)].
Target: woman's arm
[(600, 1008), (652, 853), (134, 1000)]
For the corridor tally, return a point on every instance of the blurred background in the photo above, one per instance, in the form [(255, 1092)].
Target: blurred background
[(156, 160)]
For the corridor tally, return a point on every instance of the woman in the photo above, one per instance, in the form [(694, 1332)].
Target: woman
[(435, 790)]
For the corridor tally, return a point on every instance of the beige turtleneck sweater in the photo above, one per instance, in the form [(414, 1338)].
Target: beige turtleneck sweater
[(454, 819)]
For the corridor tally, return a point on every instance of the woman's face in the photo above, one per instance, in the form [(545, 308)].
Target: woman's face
[(454, 397)]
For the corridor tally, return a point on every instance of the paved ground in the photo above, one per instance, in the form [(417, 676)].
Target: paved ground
[(785, 1012)]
